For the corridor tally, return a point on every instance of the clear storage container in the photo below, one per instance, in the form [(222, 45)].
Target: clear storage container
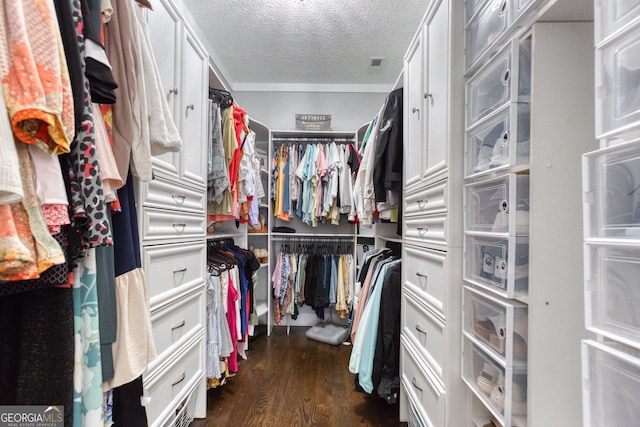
[(498, 205), (499, 142), (485, 27), (502, 390), (500, 326), (611, 386), (618, 84), (611, 195), (612, 299), (613, 15), (500, 265)]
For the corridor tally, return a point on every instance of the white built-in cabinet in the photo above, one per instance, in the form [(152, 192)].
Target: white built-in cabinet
[(172, 221), (611, 195), (432, 391)]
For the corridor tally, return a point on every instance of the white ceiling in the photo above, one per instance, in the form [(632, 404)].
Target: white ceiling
[(308, 45)]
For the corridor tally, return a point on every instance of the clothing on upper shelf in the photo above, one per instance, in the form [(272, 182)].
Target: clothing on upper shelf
[(375, 330), (318, 276), (233, 168), (313, 183)]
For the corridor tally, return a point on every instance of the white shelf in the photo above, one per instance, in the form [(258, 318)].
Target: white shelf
[(257, 234), (312, 235), (224, 235), (390, 239)]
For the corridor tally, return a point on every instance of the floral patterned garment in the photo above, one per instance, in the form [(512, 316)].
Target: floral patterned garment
[(35, 78), (87, 376)]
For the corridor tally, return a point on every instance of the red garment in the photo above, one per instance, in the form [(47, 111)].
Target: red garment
[(232, 297), (238, 122)]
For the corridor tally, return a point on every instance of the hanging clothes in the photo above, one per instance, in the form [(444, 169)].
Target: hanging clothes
[(376, 325)]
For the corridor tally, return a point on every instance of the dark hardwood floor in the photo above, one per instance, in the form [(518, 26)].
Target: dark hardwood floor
[(290, 380)]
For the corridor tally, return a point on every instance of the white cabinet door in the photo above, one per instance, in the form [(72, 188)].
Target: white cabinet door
[(165, 28), (413, 102), (436, 32), (194, 112)]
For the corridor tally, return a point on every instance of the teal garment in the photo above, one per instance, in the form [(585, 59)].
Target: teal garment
[(365, 374), (356, 350), (87, 391)]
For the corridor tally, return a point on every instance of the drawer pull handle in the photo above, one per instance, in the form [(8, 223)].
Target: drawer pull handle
[(423, 284), (428, 95), (179, 325), (174, 91), (421, 202), (415, 110), (423, 230), (503, 8), (182, 377), (179, 224), (414, 382), (180, 270), (420, 329), (191, 107), (178, 197)]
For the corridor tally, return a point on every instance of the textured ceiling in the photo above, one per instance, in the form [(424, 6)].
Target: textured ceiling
[(270, 44)]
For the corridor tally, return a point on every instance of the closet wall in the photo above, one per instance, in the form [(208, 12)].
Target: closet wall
[(278, 109)]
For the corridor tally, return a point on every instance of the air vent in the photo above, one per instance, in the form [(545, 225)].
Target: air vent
[(376, 62)]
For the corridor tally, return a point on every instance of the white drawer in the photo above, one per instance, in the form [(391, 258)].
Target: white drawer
[(502, 390), (498, 326), (164, 194), (611, 386), (612, 291), (499, 142), (611, 180), (498, 205), (159, 225), (166, 384), (171, 269), (427, 229), (612, 15), (520, 7), (498, 265), (429, 200), (426, 269), (421, 385), (174, 320), (618, 84), (484, 29), (425, 328)]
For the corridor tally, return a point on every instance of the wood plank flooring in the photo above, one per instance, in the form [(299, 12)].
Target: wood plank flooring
[(290, 380)]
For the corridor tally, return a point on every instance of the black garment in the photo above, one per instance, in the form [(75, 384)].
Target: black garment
[(387, 172), (36, 349), (126, 240), (64, 11), (127, 409), (387, 353), (101, 81)]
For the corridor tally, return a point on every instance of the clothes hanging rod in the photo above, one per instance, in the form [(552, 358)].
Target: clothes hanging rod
[(311, 140), (315, 239)]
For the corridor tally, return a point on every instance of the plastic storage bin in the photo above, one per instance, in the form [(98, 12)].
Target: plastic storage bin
[(502, 390), (500, 142), (501, 327), (612, 15), (613, 292), (618, 84), (612, 192), (470, 8), (498, 205), (485, 27), (506, 78), (611, 386), (500, 265)]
